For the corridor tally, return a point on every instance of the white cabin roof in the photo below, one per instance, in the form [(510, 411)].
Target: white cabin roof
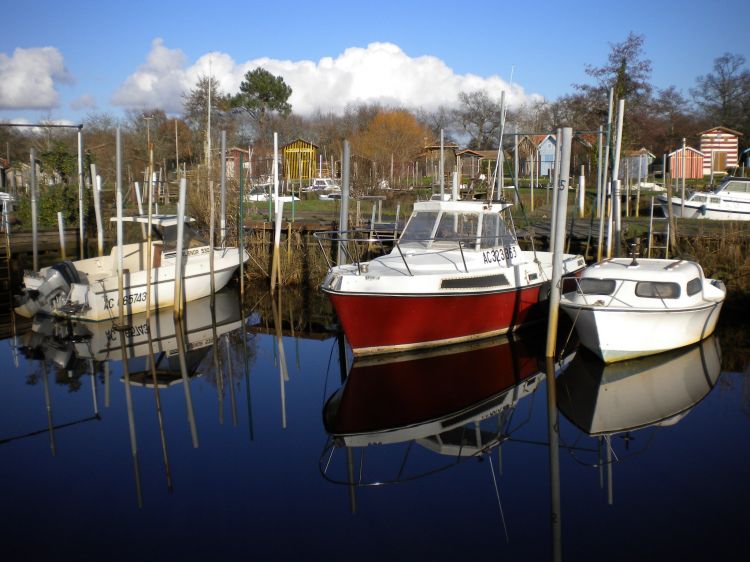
[(156, 220), (646, 270), (460, 206)]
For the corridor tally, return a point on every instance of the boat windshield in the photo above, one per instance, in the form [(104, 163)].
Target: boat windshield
[(419, 228), (191, 238), (736, 186)]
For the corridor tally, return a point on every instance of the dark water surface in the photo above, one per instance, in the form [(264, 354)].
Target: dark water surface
[(432, 457)]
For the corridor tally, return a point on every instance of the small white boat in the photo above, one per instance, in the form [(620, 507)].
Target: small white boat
[(729, 202), (624, 308), (323, 184), (88, 289), (456, 274)]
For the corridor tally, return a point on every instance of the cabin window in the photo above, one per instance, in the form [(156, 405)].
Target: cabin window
[(457, 226), (737, 186), (590, 286), (191, 238), (657, 290), (495, 231), (419, 227), (699, 198), (694, 286)]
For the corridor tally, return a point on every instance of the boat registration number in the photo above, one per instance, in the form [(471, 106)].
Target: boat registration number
[(127, 299), (500, 254)]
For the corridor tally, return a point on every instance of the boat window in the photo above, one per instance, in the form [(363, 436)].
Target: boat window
[(737, 186), (694, 286), (419, 227), (699, 198), (657, 290), (715, 200), (457, 226), (191, 238), (495, 231), (590, 286)]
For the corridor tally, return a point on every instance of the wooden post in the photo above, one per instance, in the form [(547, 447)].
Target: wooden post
[(34, 234), (96, 183), (344, 211), (223, 211), (61, 229)]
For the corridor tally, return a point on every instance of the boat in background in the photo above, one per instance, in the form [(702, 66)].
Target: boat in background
[(653, 391), (88, 289), (729, 202), (624, 308), (457, 273)]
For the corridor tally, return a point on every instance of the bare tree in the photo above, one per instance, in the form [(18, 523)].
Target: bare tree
[(479, 116), (724, 94)]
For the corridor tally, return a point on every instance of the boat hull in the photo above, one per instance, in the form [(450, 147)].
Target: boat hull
[(619, 334), (383, 323), (695, 210)]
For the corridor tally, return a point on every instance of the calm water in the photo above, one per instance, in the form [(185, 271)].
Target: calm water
[(261, 453)]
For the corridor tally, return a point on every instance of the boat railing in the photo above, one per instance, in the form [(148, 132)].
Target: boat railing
[(358, 246)]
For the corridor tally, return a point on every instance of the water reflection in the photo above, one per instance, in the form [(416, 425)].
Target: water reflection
[(612, 402), (456, 403)]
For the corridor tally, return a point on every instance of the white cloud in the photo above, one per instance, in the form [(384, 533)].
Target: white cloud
[(28, 78), (380, 72), (86, 101)]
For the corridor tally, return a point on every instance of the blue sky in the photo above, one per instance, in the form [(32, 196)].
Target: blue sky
[(111, 56)]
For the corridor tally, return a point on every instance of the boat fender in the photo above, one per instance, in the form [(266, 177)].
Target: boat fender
[(702, 210)]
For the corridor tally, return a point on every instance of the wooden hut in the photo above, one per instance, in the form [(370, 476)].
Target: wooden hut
[(546, 145), (635, 163), (720, 146), (300, 160), (693, 160)]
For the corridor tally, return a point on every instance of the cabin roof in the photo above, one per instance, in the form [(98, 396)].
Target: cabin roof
[(156, 220), (723, 129), (647, 270), (460, 206)]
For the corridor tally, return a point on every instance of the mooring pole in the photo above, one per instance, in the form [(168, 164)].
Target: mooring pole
[(61, 229), (442, 164), (81, 241), (96, 188), (178, 272), (223, 204), (120, 240), (241, 233), (344, 212), (34, 234), (616, 178)]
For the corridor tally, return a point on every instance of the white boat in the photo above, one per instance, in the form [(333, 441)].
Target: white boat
[(88, 289), (624, 308), (323, 184), (456, 274), (729, 202)]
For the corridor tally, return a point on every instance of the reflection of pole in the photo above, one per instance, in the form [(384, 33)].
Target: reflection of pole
[(230, 376), (93, 387), (283, 374), (131, 422), (610, 490), (186, 382), (48, 407), (350, 475), (553, 433)]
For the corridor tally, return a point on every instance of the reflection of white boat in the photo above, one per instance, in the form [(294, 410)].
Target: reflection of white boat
[(657, 390), (62, 341), (625, 308), (456, 274), (730, 201), (88, 289)]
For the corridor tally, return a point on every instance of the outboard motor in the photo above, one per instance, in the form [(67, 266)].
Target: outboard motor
[(59, 278)]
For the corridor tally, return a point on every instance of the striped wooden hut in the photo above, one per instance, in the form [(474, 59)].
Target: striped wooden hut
[(720, 145), (693, 160), (300, 160)]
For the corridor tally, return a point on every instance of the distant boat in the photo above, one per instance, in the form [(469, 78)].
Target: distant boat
[(457, 273), (88, 289), (653, 391), (624, 308), (730, 202)]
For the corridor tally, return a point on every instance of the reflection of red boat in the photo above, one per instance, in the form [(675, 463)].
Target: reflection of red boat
[(430, 394)]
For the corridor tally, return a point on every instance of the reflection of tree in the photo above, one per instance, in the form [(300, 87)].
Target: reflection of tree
[(231, 360)]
